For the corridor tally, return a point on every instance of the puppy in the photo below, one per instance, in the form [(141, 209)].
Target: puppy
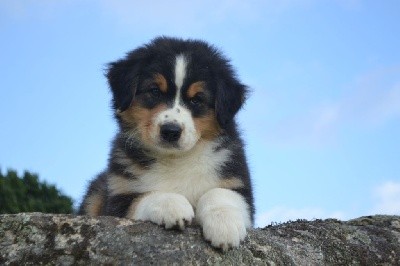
[(178, 155)]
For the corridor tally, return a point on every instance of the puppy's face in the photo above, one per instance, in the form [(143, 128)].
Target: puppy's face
[(170, 98), (171, 112)]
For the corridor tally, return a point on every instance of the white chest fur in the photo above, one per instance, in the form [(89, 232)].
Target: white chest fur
[(190, 175)]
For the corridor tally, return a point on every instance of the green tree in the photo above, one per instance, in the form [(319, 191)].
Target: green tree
[(27, 194)]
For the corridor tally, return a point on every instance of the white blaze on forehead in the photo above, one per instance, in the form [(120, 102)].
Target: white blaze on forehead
[(180, 71), (178, 113)]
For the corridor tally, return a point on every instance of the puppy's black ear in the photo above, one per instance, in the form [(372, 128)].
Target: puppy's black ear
[(123, 77), (230, 96)]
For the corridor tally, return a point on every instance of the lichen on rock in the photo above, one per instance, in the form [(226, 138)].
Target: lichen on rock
[(36, 238)]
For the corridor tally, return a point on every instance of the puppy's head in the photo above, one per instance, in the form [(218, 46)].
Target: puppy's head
[(172, 93)]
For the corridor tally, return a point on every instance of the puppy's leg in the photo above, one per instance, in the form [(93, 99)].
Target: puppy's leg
[(95, 197), (224, 216), (162, 208)]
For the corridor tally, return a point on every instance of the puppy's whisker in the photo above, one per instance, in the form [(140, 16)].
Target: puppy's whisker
[(132, 138)]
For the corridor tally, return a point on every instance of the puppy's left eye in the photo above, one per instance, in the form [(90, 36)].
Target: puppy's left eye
[(155, 92)]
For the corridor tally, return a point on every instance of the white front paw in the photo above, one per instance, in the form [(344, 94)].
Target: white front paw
[(224, 228), (224, 216), (168, 209)]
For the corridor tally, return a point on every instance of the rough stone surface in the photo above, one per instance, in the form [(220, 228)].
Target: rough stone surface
[(35, 239)]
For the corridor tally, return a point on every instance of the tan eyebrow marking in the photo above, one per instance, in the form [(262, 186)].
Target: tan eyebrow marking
[(161, 82), (195, 88)]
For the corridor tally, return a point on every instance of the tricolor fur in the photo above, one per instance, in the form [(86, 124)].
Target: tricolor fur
[(178, 155)]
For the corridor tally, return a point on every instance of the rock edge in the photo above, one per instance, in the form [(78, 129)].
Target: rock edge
[(36, 238)]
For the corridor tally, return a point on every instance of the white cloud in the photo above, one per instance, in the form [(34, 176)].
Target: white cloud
[(349, 4), (327, 116), (369, 101), (282, 214), (177, 15), (173, 13), (373, 99), (388, 198), (388, 106), (181, 16), (29, 9)]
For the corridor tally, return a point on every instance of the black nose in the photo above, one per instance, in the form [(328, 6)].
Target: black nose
[(170, 132)]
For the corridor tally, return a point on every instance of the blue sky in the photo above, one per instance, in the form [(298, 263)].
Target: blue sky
[(322, 125)]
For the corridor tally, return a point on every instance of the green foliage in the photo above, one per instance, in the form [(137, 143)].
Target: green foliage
[(27, 194)]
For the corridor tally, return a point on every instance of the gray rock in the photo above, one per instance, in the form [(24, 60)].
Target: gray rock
[(35, 238)]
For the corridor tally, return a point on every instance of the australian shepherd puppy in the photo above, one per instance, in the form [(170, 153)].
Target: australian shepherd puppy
[(178, 156)]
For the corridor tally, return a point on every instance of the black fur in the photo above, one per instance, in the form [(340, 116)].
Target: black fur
[(127, 78), (124, 75)]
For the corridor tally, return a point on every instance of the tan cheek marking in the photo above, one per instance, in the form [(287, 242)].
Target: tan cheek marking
[(94, 204), (207, 126), (142, 119), (195, 88), (119, 185), (231, 183), (161, 82), (134, 204)]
